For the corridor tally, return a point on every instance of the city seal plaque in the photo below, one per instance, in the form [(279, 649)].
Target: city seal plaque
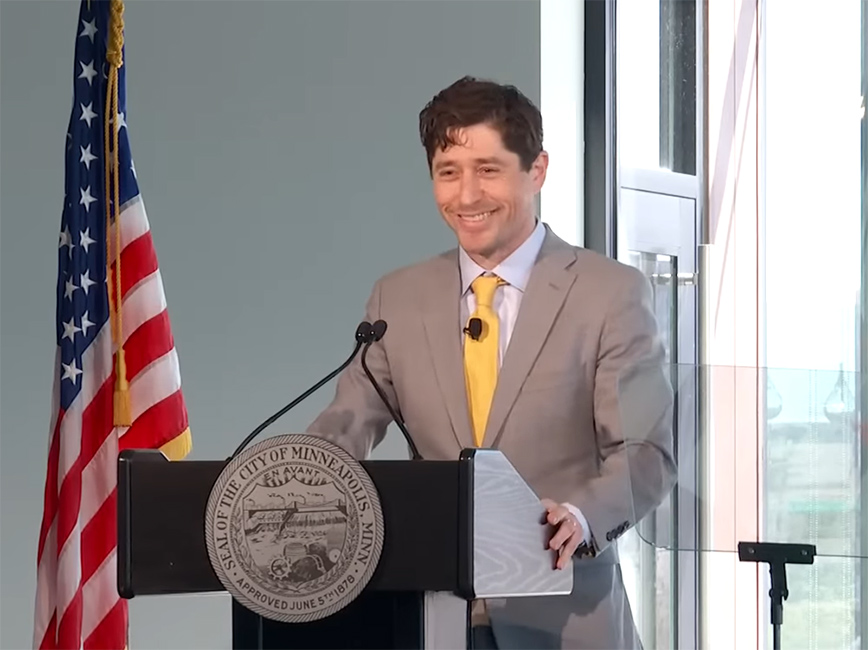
[(294, 528)]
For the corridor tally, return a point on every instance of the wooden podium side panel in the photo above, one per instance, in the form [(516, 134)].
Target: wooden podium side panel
[(161, 537)]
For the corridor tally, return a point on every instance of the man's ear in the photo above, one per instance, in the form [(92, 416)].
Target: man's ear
[(538, 170)]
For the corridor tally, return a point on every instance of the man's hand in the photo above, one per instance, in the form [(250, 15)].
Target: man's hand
[(569, 531)]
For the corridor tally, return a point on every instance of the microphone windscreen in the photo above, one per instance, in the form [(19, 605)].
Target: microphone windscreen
[(379, 329), (363, 331)]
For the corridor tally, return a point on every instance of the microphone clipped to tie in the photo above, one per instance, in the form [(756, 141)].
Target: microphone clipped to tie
[(474, 328)]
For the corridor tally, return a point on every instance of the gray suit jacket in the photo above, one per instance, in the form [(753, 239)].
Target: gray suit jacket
[(582, 409)]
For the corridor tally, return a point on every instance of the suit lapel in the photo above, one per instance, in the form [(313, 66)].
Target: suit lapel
[(443, 330), (547, 288)]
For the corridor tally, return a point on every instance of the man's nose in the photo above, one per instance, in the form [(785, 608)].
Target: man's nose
[(470, 190)]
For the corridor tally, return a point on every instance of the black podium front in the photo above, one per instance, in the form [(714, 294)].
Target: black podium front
[(450, 529)]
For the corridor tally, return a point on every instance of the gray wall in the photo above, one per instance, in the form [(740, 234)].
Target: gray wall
[(276, 148)]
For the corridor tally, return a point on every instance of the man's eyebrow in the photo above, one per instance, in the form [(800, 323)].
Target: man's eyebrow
[(489, 160)]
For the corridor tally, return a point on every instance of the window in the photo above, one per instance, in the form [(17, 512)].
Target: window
[(811, 133), (729, 122)]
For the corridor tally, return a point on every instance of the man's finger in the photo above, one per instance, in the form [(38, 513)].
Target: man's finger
[(563, 534), (557, 515), (549, 505), (568, 551)]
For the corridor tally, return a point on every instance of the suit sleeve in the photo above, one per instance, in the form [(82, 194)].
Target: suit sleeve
[(633, 419), (356, 418)]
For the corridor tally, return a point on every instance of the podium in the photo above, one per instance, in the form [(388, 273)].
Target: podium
[(453, 531)]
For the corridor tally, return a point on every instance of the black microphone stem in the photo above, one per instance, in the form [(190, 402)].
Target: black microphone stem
[(395, 417), (359, 341)]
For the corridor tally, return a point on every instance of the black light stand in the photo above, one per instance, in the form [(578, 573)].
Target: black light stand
[(777, 556)]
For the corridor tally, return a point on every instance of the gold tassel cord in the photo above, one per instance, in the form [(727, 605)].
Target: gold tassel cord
[(114, 55)]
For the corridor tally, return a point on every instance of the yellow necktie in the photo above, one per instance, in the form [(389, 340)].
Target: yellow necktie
[(480, 356)]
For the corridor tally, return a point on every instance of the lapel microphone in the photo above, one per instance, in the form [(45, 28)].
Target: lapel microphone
[(474, 328)]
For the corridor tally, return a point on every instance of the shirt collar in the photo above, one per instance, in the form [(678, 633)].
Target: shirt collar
[(515, 269)]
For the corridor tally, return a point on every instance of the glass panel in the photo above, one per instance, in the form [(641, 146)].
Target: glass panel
[(820, 612), (638, 83), (811, 203), (660, 269), (656, 84), (678, 86), (648, 570), (795, 436)]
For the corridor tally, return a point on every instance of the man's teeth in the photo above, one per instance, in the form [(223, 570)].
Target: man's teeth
[(476, 217)]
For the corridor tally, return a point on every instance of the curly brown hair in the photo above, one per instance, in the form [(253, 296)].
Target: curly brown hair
[(470, 101)]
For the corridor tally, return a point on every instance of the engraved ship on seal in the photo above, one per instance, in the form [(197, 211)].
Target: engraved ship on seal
[(294, 526)]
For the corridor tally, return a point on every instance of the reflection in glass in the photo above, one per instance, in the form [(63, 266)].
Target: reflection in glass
[(773, 400), (840, 405)]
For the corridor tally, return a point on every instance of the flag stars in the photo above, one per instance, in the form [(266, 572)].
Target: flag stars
[(85, 324), (85, 281), (119, 121), (85, 239), (87, 113), (87, 72), (86, 199), (70, 289), (71, 371), (86, 156), (70, 329), (88, 29), (65, 238)]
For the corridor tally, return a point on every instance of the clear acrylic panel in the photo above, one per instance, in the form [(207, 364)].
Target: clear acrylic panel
[(762, 455)]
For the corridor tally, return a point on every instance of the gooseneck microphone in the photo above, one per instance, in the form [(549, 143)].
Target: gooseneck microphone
[(474, 328), (364, 334), (378, 329)]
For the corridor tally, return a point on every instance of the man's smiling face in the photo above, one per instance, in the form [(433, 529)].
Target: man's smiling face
[(484, 194)]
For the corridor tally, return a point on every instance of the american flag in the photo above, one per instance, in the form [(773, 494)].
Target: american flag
[(104, 401)]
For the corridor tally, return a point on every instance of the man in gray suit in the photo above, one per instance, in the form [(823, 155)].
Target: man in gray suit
[(566, 375)]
